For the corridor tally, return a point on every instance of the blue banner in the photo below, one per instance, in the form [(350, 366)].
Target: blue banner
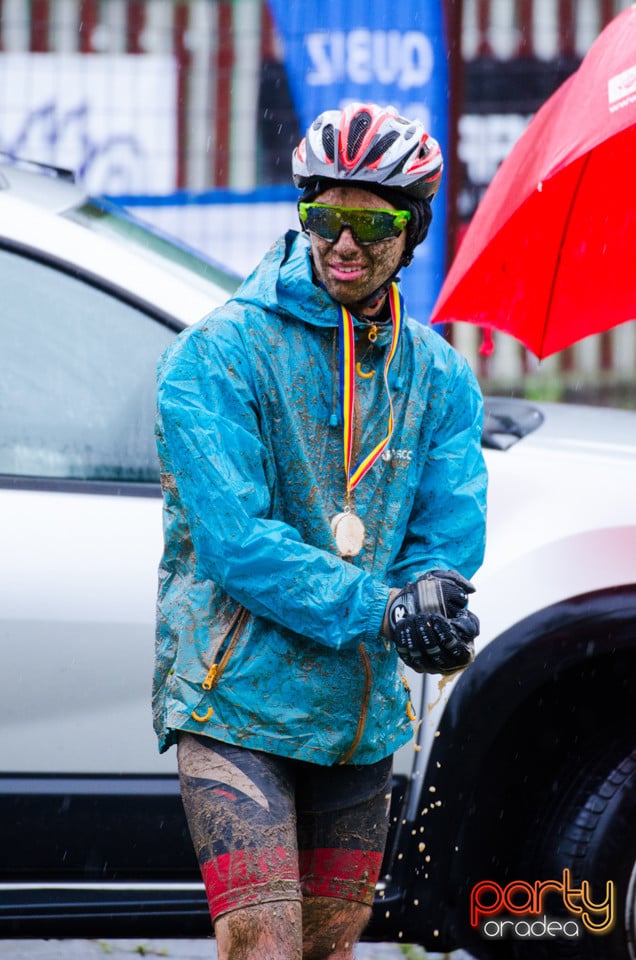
[(380, 52)]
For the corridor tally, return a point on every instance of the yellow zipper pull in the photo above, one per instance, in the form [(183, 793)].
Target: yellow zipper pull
[(209, 680)]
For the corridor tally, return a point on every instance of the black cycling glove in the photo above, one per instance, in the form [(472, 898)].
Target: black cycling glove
[(429, 624)]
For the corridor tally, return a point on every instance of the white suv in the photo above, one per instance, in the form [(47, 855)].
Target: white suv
[(519, 769)]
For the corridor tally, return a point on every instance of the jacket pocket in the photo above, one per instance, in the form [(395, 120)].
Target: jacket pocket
[(225, 648)]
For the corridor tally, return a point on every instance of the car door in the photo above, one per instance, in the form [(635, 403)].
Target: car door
[(79, 549), (82, 529)]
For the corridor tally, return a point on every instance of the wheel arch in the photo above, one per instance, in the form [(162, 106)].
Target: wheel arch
[(556, 661)]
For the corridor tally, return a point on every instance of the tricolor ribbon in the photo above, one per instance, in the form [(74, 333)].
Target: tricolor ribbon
[(348, 388)]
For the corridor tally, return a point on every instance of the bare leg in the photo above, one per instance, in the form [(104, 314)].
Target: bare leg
[(269, 930), (332, 928)]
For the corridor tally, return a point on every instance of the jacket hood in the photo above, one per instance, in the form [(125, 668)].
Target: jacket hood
[(283, 283)]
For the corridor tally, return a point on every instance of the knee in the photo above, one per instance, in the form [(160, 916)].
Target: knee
[(332, 928), (271, 930)]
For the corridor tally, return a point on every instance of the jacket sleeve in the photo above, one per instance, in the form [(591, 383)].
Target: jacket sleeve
[(447, 526), (208, 437)]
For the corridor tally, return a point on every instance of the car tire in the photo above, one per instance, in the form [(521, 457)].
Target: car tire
[(591, 832)]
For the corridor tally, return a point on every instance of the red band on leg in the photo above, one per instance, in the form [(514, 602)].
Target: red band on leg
[(247, 877), (345, 874)]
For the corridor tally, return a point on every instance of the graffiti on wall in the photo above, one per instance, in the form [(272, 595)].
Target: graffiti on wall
[(103, 117)]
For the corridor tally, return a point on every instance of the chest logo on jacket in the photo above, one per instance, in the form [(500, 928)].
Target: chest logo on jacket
[(397, 456)]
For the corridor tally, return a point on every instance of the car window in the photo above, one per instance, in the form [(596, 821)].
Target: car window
[(77, 390)]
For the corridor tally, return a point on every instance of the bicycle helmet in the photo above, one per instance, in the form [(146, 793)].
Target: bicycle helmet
[(374, 148), (368, 144)]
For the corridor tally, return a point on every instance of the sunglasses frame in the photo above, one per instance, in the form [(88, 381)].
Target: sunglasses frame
[(400, 219)]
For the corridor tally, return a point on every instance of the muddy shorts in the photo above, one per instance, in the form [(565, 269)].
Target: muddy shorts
[(270, 828)]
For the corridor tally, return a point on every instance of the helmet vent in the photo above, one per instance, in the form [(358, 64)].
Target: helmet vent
[(359, 126), (328, 141), (379, 148)]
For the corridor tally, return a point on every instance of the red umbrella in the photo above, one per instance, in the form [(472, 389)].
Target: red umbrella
[(550, 254)]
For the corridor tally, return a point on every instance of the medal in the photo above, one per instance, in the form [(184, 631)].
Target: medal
[(348, 529)]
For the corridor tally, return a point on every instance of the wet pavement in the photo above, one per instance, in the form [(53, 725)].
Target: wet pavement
[(201, 949)]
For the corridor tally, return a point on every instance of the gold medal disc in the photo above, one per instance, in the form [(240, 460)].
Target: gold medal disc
[(348, 529)]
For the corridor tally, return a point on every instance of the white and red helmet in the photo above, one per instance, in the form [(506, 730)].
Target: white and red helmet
[(365, 143)]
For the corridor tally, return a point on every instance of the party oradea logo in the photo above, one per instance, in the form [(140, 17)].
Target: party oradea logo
[(519, 910)]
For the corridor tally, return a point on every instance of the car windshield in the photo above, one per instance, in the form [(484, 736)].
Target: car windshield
[(172, 255)]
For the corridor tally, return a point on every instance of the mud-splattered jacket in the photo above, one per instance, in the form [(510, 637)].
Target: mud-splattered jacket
[(266, 638)]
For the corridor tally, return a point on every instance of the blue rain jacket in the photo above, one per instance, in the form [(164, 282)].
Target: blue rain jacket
[(266, 638)]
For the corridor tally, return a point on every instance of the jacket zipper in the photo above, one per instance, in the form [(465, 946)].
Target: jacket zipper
[(234, 631), (364, 706)]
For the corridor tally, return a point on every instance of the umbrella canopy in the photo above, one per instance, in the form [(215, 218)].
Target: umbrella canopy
[(550, 254)]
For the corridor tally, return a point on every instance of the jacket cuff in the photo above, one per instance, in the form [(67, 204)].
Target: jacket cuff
[(376, 613)]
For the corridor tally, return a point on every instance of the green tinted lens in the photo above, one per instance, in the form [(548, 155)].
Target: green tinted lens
[(368, 226), (325, 221)]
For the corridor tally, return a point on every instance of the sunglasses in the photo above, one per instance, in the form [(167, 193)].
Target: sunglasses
[(366, 224)]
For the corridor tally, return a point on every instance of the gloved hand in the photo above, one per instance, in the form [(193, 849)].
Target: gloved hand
[(429, 624)]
